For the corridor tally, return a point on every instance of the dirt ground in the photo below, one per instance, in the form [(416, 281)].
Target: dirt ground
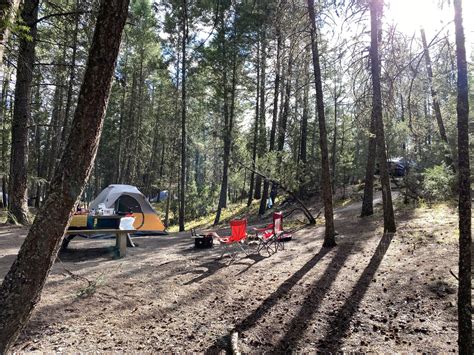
[(370, 293)]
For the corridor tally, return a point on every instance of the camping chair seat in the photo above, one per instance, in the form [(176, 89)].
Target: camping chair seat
[(267, 242), (264, 233), (233, 243)]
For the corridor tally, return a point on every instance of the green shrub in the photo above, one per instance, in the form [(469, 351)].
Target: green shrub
[(438, 183)]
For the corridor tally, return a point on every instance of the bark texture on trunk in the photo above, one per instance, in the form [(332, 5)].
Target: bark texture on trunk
[(22, 286), (182, 181), (273, 128), (283, 117), (228, 115), (4, 136), (465, 232), (434, 98), (329, 235), (305, 115), (434, 94), (255, 130), (18, 197), (334, 140), (303, 154), (388, 215), (71, 80), (368, 199), (262, 133)]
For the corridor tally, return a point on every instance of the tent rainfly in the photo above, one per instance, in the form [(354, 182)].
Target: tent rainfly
[(125, 199)]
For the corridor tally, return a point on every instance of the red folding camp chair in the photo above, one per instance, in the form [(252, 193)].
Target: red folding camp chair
[(238, 234), (271, 237)]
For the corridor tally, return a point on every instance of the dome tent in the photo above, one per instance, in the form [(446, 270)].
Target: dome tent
[(127, 199)]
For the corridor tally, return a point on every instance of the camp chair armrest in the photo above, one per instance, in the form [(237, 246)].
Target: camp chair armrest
[(223, 239)]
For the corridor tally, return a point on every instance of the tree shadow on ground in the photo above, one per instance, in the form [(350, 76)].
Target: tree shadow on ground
[(313, 299), (271, 300), (85, 254), (347, 245), (256, 257), (339, 325), (211, 267)]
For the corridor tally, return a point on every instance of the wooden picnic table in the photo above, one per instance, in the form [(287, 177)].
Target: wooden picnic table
[(122, 237)]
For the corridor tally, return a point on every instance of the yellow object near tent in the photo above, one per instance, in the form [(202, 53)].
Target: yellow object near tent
[(124, 199)]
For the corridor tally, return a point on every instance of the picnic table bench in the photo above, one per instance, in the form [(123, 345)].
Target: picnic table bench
[(122, 238)]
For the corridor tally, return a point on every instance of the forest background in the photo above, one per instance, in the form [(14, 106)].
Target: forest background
[(243, 97)]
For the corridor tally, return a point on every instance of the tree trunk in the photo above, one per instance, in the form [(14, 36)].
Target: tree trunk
[(277, 90), (262, 134), (135, 173), (182, 191), (118, 171), (343, 136), (227, 123), (54, 131), (465, 232), (4, 190), (162, 162), (368, 199), (255, 131), (329, 235), (283, 119), (126, 176), (388, 215), (37, 138), (434, 94), (167, 209), (72, 76), (22, 286), (152, 167), (275, 111), (334, 140), (303, 155), (18, 204), (434, 98), (5, 136), (304, 117)]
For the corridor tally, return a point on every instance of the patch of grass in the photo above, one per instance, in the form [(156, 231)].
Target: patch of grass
[(233, 211), (344, 202), (295, 224), (91, 287), (427, 224)]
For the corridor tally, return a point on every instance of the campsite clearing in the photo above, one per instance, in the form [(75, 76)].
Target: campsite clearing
[(370, 293)]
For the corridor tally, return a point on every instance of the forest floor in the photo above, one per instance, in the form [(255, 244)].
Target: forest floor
[(372, 292)]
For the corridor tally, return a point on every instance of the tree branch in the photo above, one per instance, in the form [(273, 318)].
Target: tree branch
[(59, 14), (307, 213)]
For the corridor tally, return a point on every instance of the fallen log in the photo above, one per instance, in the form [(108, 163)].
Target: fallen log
[(305, 210)]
